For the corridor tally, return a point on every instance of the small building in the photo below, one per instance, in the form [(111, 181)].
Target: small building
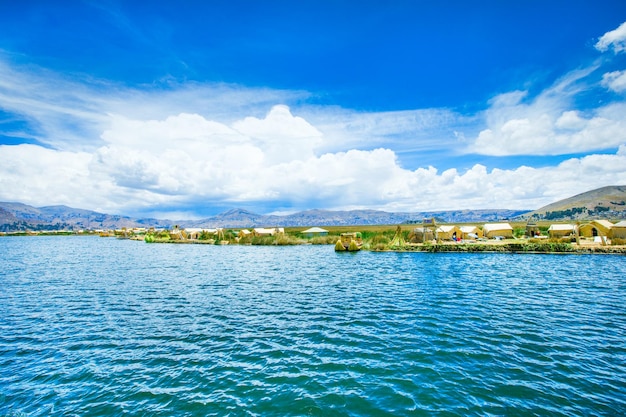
[(471, 232), (243, 233), (262, 231), (314, 231), (491, 230), (532, 229), (421, 235), (194, 233), (596, 228), (178, 234), (618, 231), (449, 232), (561, 230)]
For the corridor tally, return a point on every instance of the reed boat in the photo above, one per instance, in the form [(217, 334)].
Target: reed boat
[(350, 242)]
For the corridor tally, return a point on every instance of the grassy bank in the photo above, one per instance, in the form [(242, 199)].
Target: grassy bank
[(384, 238), (547, 247)]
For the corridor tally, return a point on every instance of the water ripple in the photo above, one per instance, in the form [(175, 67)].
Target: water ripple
[(92, 326)]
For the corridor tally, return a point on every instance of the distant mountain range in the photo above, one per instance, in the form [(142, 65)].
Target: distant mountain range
[(238, 218), (606, 202), (18, 216)]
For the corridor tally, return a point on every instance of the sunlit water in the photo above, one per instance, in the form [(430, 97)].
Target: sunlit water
[(99, 326)]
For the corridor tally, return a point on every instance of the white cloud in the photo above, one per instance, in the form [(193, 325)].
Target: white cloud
[(32, 174), (615, 81), (72, 111), (128, 151), (282, 136), (548, 125), (615, 39), (134, 180)]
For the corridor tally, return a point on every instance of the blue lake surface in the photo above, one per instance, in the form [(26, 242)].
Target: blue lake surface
[(100, 326)]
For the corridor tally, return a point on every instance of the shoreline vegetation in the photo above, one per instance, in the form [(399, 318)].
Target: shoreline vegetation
[(379, 238), (402, 238), (508, 246)]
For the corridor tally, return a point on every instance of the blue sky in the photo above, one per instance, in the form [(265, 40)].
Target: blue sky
[(186, 109)]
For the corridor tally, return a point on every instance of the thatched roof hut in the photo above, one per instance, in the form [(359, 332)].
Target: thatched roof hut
[(244, 233), (561, 230), (596, 228), (491, 230), (448, 232), (471, 232), (195, 232), (261, 231), (618, 231), (421, 234)]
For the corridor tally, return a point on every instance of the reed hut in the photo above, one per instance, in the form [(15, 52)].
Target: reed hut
[(532, 229), (596, 228), (193, 233), (243, 233), (491, 230), (261, 231), (421, 234), (471, 232), (618, 231), (178, 234), (561, 230), (449, 232)]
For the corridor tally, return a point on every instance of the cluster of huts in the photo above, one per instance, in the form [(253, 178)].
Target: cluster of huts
[(195, 233), (456, 233), (594, 228), (601, 229)]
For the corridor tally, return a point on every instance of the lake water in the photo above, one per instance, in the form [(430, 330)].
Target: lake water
[(100, 326)]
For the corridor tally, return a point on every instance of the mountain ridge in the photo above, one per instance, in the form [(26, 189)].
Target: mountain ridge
[(319, 217), (19, 216), (604, 202)]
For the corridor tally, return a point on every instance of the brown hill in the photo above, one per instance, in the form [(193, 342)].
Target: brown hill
[(606, 202), (7, 217)]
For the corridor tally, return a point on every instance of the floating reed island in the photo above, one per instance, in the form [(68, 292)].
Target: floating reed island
[(596, 236)]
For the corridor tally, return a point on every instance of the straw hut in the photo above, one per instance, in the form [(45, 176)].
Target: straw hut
[(532, 229), (449, 232), (561, 230), (315, 231), (596, 228), (491, 230), (243, 233), (178, 234), (261, 231), (618, 231), (194, 233), (421, 234), (471, 232)]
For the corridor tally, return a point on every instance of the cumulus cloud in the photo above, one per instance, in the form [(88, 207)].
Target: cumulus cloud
[(71, 111), (548, 125), (615, 39), (120, 150), (283, 136), (131, 180)]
